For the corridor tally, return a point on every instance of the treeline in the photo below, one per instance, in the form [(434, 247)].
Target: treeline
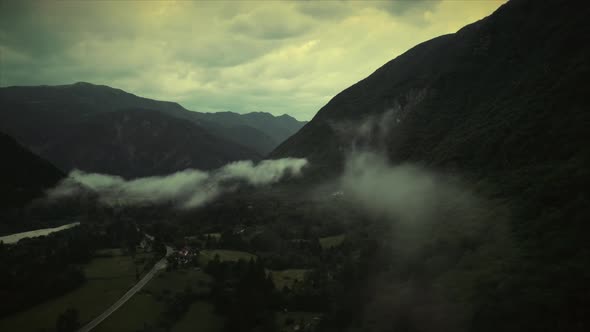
[(37, 269), (244, 293)]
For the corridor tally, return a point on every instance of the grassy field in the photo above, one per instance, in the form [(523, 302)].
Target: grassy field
[(177, 281), (213, 235), (287, 277), (200, 317), (332, 241), (140, 310), (146, 306), (108, 278), (109, 252), (224, 255)]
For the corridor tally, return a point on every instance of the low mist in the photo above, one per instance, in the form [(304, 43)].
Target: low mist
[(405, 192), (419, 202), (416, 201), (186, 189), (437, 227)]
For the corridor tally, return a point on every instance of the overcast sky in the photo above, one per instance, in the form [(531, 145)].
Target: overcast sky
[(270, 56)]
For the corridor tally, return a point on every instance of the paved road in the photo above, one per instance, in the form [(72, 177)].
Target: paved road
[(160, 265)]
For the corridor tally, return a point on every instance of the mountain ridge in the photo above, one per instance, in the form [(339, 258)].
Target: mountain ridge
[(502, 104), (113, 143), (47, 120), (415, 81), (84, 98)]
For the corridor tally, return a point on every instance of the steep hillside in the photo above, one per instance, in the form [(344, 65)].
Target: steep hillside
[(278, 128), (25, 176), (138, 142), (498, 94), (502, 103), (247, 136)]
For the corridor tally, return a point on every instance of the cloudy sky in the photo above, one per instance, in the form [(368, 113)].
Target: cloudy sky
[(271, 56)]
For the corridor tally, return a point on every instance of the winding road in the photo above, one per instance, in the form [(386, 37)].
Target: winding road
[(160, 265)]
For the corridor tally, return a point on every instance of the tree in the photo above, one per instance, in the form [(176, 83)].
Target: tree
[(132, 249), (68, 321)]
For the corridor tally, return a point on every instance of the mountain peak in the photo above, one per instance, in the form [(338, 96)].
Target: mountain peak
[(83, 84)]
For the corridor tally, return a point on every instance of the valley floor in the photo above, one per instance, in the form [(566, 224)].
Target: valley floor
[(108, 278)]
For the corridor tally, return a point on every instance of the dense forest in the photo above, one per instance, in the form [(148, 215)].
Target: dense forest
[(40, 268)]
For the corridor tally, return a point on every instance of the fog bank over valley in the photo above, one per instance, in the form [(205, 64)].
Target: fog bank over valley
[(189, 188)]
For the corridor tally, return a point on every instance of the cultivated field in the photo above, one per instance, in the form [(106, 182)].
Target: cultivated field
[(287, 277), (147, 307), (224, 255), (108, 278), (332, 241), (200, 317)]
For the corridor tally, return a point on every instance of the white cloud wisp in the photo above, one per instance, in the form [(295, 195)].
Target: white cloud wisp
[(185, 189)]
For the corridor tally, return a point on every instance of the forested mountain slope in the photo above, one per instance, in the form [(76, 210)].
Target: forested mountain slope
[(25, 176), (41, 116), (138, 142), (503, 103)]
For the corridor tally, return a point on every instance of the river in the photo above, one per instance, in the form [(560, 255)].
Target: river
[(14, 238)]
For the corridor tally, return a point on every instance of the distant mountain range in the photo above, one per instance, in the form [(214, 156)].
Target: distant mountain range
[(102, 129)]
